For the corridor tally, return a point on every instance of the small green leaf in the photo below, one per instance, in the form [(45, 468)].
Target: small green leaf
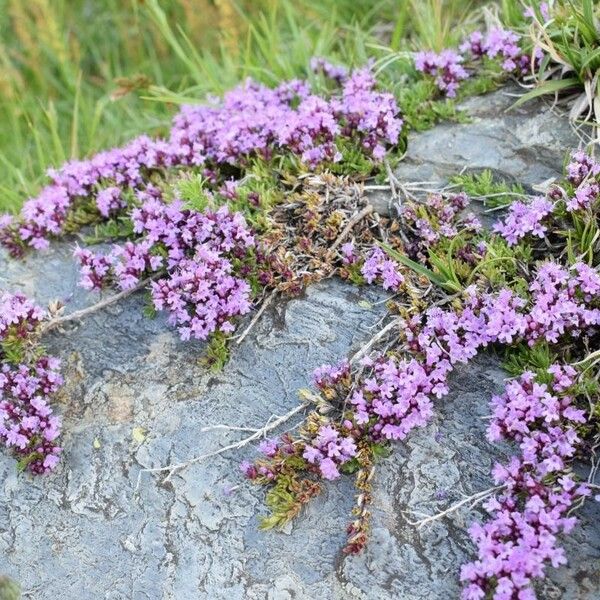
[(381, 450), (350, 466)]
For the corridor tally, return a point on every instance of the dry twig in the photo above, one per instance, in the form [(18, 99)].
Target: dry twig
[(471, 500), (85, 312), (257, 316), (367, 210), (172, 469), (378, 336)]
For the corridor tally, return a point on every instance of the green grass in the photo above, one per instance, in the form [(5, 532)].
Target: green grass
[(77, 76), (570, 41)]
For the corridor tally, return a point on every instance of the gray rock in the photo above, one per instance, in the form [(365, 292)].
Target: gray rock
[(137, 397), (528, 144)]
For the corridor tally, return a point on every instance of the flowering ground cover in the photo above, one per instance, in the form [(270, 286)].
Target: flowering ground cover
[(260, 194)]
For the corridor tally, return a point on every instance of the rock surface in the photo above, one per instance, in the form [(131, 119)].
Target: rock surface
[(137, 398), (527, 144)]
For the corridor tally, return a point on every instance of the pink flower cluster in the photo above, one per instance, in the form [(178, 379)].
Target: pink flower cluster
[(125, 265), (582, 167), (399, 394), (531, 509), (329, 450), (321, 65), (380, 267), (255, 120), (563, 301), (202, 295), (583, 172), (497, 44), (439, 217), (327, 376), (534, 218), (251, 120), (46, 215), (397, 397), (446, 69), (525, 219), (110, 201), (503, 45), (585, 196), (27, 426), (200, 289), (349, 255), (19, 316)]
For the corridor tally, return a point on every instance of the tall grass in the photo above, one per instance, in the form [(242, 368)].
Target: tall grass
[(80, 75)]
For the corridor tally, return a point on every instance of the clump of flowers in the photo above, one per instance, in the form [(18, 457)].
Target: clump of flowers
[(204, 261), (196, 253), (386, 396), (525, 219), (450, 67), (328, 450), (394, 394), (367, 116), (202, 295), (501, 45), (440, 218), (28, 380), (577, 194), (582, 167), (379, 267), (252, 121), (337, 73), (537, 491), (446, 68), (19, 317)]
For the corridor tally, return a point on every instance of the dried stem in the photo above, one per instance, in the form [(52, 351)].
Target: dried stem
[(472, 500), (227, 428), (172, 469), (392, 180), (378, 336), (257, 316), (85, 312), (367, 210)]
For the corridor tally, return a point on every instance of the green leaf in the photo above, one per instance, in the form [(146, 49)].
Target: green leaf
[(23, 463), (381, 450), (547, 87), (350, 466), (415, 266), (590, 57)]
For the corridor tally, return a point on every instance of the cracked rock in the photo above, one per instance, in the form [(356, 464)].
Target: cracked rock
[(527, 144), (83, 532)]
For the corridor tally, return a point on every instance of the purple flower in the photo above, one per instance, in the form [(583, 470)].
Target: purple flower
[(532, 508), (312, 454), (349, 256), (379, 266), (329, 469), (109, 201), (525, 219), (251, 121), (268, 447), (329, 70), (445, 68)]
